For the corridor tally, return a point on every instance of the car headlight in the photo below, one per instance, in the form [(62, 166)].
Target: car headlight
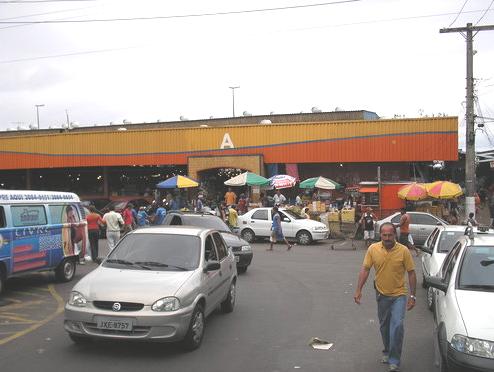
[(319, 228), (77, 299), (166, 304), (246, 248), (473, 346)]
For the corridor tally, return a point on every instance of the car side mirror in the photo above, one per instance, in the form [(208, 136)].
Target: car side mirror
[(426, 249), (436, 282), (212, 266)]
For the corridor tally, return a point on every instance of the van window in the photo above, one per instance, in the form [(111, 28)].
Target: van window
[(58, 213), (2, 217), (28, 215)]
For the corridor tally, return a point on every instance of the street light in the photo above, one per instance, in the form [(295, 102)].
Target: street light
[(37, 113), (233, 98)]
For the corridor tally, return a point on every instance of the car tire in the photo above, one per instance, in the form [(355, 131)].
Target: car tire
[(241, 269), (65, 271), (304, 237), (228, 305), (248, 235), (430, 298), (80, 340), (195, 333)]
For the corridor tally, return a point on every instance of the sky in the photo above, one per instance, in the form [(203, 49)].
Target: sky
[(286, 56)]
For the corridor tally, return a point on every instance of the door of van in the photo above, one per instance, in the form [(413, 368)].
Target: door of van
[(5, 243)]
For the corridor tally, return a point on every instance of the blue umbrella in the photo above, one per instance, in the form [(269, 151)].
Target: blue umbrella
[(177, 182)]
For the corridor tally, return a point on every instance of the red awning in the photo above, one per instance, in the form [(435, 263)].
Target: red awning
[(368, 189)]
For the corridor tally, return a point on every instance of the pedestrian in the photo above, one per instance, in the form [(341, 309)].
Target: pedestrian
[(367, 221), (305, 213), (233, 218), (264, 199), (113, 222), (391, 260), (128, 218), (471, 221), (230, 197), (199, 203), (142, 217), (94, 222), (160, 214), (404, 225), (298, 200), (279, 199), (242, 204), (276, 231)]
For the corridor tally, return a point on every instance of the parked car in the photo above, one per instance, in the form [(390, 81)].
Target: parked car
[(421, 225), (436, 247), (241, 249), (463, 303), (158, 284), (256, 223)]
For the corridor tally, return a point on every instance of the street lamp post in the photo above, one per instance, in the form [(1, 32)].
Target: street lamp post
[(37, 113), (233, 98)]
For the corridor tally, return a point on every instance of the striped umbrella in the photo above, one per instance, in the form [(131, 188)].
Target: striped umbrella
[(177, 182), (247, 178), (413, 191), (443, 190), (320, 183)]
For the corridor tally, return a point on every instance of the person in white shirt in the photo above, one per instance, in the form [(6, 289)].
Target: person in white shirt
[(113, 221), (279, 198)]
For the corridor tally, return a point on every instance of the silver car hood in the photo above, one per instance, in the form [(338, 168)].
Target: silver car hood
[(141, 286)]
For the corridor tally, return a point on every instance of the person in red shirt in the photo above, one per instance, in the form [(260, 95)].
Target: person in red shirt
[(404, 226), (128, 218), (94, 222)]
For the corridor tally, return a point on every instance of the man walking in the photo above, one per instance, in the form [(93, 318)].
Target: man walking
[(113, 222), (276, 231), (128, 218), (405, 221), (391, 260), (367, 221)]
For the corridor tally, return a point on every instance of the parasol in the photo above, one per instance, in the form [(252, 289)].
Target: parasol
[(247, 178), (177, 182), (414, 191), (443, 190), (282, 181), (320, 183)]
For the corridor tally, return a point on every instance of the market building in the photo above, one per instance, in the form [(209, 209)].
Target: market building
[(131, 159)]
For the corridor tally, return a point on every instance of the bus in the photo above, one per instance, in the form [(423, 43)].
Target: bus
[(40, 231)]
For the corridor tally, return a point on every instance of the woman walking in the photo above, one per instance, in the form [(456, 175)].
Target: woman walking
[(276, 231)]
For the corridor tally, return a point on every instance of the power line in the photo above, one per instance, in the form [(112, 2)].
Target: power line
[(183, 15), (483, 15), (40, 1), (454, 20)]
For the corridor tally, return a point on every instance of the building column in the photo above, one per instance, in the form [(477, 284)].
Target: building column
[(28, 179)]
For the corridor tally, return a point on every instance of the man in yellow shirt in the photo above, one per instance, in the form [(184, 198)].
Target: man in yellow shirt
[(391, 260), (233, 218)]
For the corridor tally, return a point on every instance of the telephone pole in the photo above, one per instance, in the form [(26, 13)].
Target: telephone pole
[(467, 32)]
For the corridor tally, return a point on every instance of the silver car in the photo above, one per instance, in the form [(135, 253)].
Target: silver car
[(158, 284), (421, 225)]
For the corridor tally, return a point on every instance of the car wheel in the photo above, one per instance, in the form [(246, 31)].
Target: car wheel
[(66, 270), (241, 269), (304, 237), (430, 298), (80, 340), (248, 235), (195, 333), (229, 303)]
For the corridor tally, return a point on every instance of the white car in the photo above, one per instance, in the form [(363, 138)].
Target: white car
[(463, 303), (256, 223), (436, 248)]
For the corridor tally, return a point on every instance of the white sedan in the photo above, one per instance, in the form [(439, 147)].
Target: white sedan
[(463, 303), (257, 223)]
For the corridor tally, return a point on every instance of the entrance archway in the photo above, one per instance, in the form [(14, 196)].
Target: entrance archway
[(212, 182)]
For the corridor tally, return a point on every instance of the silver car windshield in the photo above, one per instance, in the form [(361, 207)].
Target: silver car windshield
[(477, 269), (447, 240), (156, 252), (208, 222)]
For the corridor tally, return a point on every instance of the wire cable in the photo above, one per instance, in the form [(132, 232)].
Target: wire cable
[(483, 15), (454, 20), (196, 15), (41, 1)]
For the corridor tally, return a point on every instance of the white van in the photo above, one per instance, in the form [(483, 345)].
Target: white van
[(40, 230)]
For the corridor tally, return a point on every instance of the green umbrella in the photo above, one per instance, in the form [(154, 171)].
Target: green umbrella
[(247, 178), (320, 183)]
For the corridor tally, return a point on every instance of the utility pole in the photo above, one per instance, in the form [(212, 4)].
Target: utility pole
[(467, 32), (233, 98), (37, 113)]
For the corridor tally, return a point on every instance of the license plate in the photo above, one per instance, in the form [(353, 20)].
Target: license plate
[(115, 324), (237, 258)]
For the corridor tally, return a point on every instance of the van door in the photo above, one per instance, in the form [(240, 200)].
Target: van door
[(5, 242)]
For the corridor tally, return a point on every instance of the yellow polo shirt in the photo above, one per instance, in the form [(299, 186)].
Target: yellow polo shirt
[(390, 267)]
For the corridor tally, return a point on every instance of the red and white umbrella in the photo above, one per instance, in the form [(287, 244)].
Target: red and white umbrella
[(282, 181)]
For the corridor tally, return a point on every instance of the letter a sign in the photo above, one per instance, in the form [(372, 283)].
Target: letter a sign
[(227, 142)]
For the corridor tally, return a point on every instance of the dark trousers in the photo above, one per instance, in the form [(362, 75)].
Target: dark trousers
[(93, 241)]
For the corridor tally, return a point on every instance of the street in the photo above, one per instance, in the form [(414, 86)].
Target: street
[(284, 299)]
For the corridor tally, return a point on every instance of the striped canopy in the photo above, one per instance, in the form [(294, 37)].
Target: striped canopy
[(177, 182)]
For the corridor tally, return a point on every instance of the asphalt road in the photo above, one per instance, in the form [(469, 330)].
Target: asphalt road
[(284, 299)]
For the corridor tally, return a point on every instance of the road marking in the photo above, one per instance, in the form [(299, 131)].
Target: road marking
[(29, 293), (18, 318), (59, 310)]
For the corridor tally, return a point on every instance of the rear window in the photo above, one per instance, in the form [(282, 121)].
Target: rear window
[(447, 240)]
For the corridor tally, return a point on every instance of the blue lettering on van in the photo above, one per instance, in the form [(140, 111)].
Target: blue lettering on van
[(30, 231)]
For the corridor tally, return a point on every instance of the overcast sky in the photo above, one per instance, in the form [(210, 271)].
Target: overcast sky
[(378, 55)]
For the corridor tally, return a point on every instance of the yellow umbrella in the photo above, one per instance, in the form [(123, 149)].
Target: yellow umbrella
[(413, 191), (443, 190)]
